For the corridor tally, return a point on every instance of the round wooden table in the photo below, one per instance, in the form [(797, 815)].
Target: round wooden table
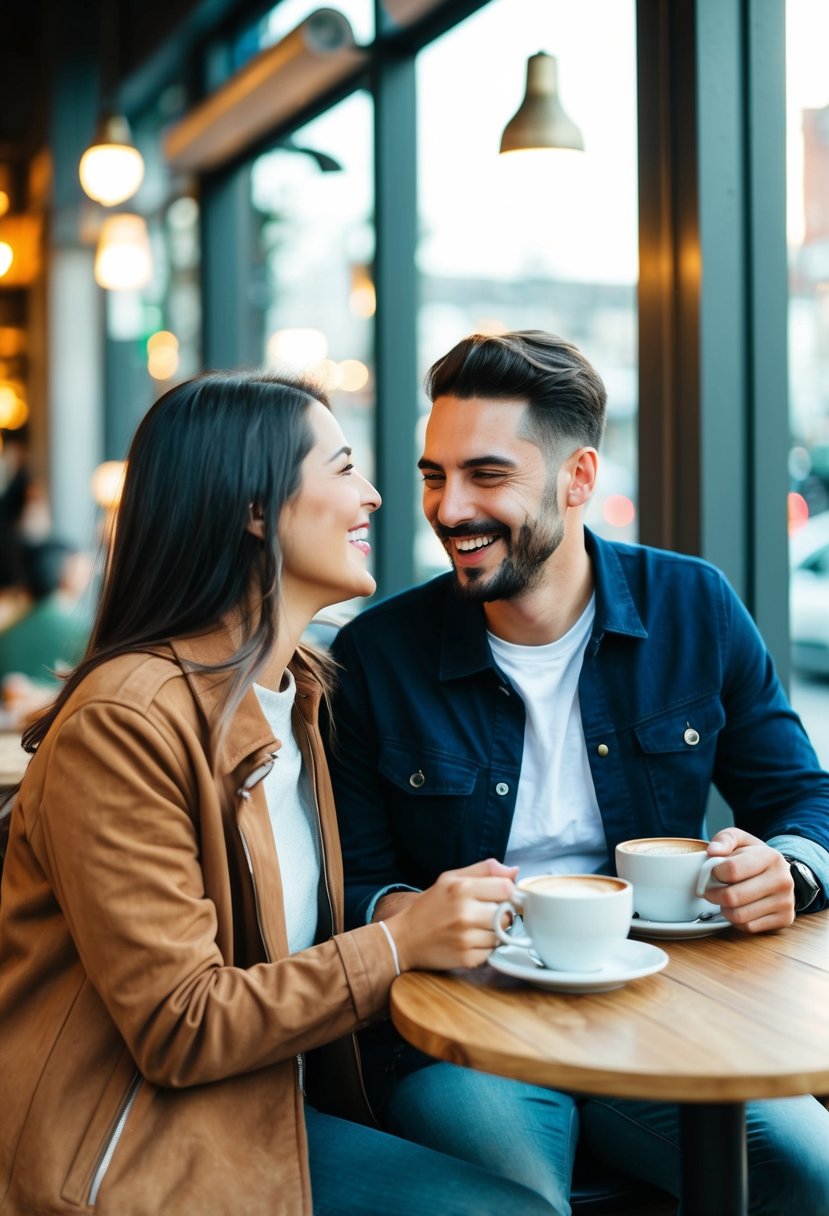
[(731, 1018)]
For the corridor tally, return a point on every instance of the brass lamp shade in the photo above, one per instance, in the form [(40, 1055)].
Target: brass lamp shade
[(540, 121)]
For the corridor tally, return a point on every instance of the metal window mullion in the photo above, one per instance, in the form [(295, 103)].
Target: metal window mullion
[(395, 150), (765, 41)]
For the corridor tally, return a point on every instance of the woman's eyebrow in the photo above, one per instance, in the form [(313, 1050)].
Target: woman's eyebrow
[(344, 451)]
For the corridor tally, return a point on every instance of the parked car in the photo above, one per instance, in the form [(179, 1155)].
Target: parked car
[(809, 595)]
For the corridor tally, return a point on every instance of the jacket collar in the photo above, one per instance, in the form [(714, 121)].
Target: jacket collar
[(249, 734), (464, 647), (616, 611)]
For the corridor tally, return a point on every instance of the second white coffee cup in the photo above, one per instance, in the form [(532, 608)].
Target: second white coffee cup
[(574, 922), (670, 876)]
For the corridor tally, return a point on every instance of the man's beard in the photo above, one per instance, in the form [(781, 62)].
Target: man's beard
[(522, 568)]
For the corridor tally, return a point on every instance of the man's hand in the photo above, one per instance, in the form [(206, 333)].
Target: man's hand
[(450, 923), (759, 896)]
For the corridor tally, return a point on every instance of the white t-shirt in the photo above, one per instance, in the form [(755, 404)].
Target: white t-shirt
[(293, 814), (556, 827)]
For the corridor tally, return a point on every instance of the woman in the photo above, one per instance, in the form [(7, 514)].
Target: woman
[(170, 924)]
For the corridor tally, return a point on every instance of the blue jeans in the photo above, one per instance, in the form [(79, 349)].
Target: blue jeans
[(359, 1171), (529, 1134)]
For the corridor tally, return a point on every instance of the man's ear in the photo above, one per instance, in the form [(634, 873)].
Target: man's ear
[(256, 521), (582, 468)]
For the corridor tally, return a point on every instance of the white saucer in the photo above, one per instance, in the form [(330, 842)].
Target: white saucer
[(630, 961), (675, 930)]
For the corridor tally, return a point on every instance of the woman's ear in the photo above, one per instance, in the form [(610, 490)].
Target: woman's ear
[(256, 521)]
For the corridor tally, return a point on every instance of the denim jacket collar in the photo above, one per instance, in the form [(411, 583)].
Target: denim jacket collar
[(464, 647)]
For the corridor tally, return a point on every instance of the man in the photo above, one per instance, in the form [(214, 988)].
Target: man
[(550, 696), (51, 633)]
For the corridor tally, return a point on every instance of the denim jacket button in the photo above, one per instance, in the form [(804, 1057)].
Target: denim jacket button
[(603, 750), (417, 779), (502, 788), (691, 737)]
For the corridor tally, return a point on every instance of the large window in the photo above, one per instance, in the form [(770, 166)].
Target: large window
[(534, 240), (313, 273), (154, 331), (807, 36), (527, 240)]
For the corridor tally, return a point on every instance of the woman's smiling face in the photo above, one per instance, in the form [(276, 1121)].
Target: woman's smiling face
[(323, 531)]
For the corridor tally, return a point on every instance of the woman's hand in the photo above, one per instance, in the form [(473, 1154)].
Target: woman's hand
[(450, 924)]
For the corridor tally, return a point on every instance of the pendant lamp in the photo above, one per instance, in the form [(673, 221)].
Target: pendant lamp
[(112, 168), (123, 259), (540, 121)]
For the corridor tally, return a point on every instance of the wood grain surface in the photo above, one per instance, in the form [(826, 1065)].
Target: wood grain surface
[(731, 1017)]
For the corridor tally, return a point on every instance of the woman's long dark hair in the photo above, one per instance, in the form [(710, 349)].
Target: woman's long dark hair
[(207, 453)]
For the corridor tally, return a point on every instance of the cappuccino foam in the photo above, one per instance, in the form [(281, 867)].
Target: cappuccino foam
[(666, 848), (573, 885)]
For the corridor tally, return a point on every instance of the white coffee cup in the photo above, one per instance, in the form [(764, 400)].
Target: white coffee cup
[(670, 876), (574, 922)]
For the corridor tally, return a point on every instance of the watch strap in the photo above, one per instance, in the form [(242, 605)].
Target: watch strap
[(806, 886)]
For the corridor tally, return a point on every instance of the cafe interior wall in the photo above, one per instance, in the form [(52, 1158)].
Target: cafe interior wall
[(712, 354)]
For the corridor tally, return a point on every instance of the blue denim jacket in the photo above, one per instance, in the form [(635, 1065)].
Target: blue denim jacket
[(677, 691)]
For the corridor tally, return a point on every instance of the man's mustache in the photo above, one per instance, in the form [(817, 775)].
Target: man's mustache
[(475, 527)]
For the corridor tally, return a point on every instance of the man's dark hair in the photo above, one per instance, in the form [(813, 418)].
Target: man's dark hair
[(42, 565), (566, 396)]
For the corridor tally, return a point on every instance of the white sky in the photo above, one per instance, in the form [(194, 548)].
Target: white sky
[(807, 87)]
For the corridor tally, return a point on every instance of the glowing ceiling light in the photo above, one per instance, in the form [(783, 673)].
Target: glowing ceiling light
[(299, 348), (112, 168), (108, 482), (353, 375), (162, 355), (123, 261)]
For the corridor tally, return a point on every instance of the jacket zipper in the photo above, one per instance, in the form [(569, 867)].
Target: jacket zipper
[(251, 780), (313, 775), (249, 860), (109, 1148)]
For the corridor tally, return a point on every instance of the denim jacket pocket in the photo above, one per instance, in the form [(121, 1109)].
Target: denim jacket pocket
[(679, 749), (430, 791)]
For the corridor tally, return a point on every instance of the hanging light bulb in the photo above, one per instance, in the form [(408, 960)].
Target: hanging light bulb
[(5, 190), (107, 483), (112, 168), (123, 259), (540, 120)]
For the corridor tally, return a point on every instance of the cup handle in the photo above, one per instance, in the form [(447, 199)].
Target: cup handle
[(705, 880), (513, 905)]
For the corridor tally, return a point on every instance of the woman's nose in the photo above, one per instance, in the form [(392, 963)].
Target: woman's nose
[(371, 499)]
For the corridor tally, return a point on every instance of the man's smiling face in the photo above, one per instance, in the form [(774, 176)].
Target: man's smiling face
[(489, 495)]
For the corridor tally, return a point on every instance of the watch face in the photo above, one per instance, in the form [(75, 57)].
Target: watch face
[(806, 886)]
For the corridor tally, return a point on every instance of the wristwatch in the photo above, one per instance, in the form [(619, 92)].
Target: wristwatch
[(806, 886)]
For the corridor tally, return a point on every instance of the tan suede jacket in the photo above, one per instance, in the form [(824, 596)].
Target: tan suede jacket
[(151, 1019)]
